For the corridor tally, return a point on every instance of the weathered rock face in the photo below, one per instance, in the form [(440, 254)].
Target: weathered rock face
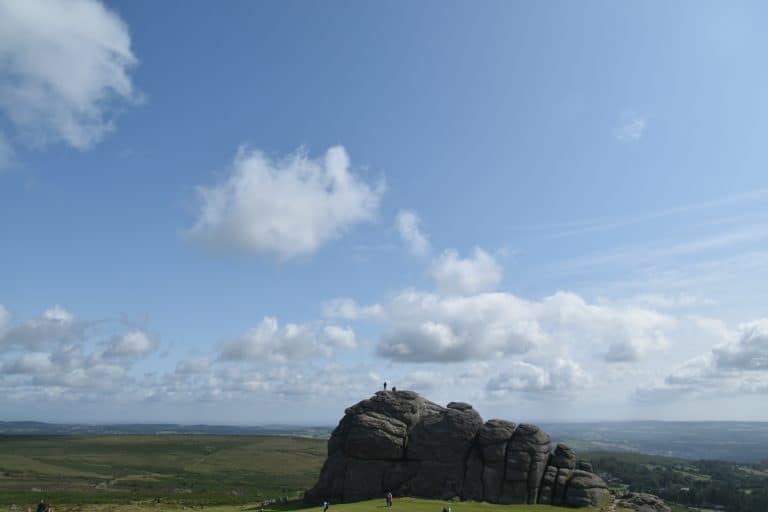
[(642, 502), (397, 441)]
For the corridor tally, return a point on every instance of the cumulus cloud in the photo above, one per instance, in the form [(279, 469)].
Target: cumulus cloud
[(408, 226), (561, 375), (749, 352), (288, 207), (464, 276), (59, 356), (131, 344), (289, 380), (270, 342), (431, 327), (343, 337), (65, 69), (737, 366), (54, 326)]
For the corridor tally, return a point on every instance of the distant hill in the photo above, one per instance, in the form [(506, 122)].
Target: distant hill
[(734, 441), (40, 428)]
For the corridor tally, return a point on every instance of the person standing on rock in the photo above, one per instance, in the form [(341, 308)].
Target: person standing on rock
[(385, 385)]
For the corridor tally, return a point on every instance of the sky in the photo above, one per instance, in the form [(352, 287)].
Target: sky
[(258, 212)]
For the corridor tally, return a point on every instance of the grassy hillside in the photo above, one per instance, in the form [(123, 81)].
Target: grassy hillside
[(182, 469), (124, 474), (400, 505)]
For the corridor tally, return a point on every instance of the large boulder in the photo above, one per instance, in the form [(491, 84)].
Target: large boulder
[(585, 489), (642, 502), (399, 442)]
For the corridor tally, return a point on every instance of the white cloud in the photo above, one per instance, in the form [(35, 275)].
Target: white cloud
[(36, 363), (432, 327), (631, 127), (131, 344), (737, 366), (65, 69), (342, 337), (5, 318), (749, 352), (408, 227), (348, 309), (288, 207), (54, 326), (268, 341), (561, 375), (193, 366), (465, 276)]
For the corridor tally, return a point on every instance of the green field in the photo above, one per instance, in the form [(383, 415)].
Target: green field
[(400, 505), (182, 469), (237, 473)]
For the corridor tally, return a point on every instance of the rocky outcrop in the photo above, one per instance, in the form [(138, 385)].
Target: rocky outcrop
[(642, 502), (400, 442)]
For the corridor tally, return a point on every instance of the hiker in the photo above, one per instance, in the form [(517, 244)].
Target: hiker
[(394, 389), (325, 506), (385, 385)]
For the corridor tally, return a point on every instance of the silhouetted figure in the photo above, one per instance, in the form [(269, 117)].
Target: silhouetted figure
[(385, 385), (42, 507), (394, 388)]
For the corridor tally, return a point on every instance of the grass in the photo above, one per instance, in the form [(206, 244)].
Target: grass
[(190, 473), (400, 505), (185, 470)]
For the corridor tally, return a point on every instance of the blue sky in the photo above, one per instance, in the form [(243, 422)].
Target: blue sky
[(258, 212)]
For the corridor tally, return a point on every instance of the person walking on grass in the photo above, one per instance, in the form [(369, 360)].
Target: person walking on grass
[(325, 506)]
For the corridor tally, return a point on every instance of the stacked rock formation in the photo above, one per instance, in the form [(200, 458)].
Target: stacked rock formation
[(400, 442)]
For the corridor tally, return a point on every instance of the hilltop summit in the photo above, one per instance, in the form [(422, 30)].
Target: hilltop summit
[(401, 442)]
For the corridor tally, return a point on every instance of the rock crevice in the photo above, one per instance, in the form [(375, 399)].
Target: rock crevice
[(400, 442)]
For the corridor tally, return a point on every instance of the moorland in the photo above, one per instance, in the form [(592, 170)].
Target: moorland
[(232, 473)]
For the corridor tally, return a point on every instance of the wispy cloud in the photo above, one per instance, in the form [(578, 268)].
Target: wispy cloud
[(631, 127), (574, 228)]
